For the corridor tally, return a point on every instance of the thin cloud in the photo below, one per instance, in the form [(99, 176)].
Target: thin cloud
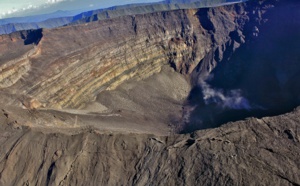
[(36, 7), (54, 1), (27, 9)]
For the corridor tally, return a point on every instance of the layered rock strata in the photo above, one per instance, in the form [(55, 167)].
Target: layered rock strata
[(71, 65)]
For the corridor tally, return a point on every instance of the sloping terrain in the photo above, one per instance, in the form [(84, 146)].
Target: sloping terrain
[(252, 152), (101, 103)]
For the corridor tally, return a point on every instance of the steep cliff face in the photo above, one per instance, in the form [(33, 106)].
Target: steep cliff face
[(71, 65), (258, 78)]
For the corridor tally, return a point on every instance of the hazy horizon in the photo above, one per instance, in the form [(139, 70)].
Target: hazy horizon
[(22, 8)]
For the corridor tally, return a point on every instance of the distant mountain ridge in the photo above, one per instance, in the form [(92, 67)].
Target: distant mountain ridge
[(40, 17), (153, 7), (100, 14)]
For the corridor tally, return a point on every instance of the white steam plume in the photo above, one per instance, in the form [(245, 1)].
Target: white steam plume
[(230, 99)]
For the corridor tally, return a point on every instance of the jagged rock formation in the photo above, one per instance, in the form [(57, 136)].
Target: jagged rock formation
[(134, 77)]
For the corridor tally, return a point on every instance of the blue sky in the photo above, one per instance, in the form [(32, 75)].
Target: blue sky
[(20, 8)]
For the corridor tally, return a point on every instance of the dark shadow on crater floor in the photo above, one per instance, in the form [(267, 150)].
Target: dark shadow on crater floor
[(266, 70), (212, 115)]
